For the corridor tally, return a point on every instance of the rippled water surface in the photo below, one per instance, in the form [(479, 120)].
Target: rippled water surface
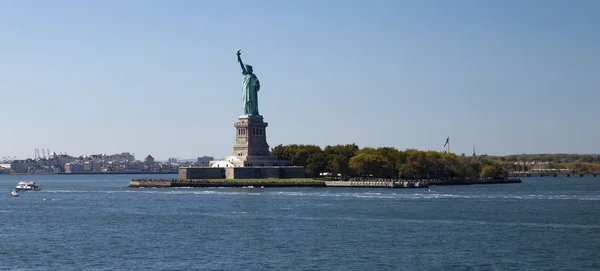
[(96, 222)]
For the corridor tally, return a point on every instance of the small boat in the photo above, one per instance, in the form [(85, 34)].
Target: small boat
[(27, 186), (14, 193)]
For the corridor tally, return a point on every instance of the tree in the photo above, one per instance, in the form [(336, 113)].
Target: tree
[(284, 152), (316, 164), (392, 160), (494, 171), (348, 160), (380, 162), (309, 156), (370, 164), (338, 157), (418, 166), (303, 152), (346, 151)]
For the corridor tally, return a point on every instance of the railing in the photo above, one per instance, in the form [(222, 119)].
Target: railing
[(378, 182)]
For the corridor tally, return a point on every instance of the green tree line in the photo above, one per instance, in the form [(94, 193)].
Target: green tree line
[(387, 162)]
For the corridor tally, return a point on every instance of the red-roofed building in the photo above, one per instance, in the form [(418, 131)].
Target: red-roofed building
[(149, 160)]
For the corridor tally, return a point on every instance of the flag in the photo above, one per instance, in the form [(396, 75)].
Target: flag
[(447, 141)]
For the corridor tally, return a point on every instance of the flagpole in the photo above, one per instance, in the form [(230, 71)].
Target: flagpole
[(447, 145)]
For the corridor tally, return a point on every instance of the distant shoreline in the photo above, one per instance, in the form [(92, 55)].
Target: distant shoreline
[(93, 173)]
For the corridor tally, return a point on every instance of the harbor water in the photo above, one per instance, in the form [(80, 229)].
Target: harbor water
[(97, 222)]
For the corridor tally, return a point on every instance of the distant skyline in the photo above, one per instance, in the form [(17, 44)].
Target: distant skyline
[(161, 77)]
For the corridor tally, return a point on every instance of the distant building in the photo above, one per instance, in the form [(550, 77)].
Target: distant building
[(74, 168), (173, 160), (92, 166), (149, 160), (87, 166), (62, 159), (205, 160), (21, 166), (121, 157), (43, 169), (229, 161)]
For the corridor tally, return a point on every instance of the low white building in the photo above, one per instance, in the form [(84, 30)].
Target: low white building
[(229, 161)]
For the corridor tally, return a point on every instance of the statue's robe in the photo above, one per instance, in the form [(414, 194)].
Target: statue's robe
[(250, 87)]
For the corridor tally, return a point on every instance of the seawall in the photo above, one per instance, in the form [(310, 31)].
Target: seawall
[(158, 183), (379, 184), (262, 172), (527, 174), (473, 181), (301, 182)]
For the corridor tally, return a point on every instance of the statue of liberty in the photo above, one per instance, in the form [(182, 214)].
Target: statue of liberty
[(250, 87)]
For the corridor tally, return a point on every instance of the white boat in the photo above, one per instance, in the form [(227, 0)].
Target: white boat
[(27, 186), (14, 193)]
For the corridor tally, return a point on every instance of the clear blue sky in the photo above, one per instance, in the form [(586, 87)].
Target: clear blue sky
[(161, 77)]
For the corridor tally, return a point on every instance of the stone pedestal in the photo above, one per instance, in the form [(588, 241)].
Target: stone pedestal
[(251, 157), (251, 137), (251, 148)]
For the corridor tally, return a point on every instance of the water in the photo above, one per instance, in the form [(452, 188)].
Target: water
[(96, 222)]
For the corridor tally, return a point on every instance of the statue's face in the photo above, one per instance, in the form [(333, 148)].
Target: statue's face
[(249, 68)]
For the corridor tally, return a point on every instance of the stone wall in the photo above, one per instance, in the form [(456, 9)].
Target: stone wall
[(186, 173), (229, 173), (264, 172), (201, 173), (149, 183)]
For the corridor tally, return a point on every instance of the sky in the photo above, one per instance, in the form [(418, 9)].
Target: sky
[(161, 77)]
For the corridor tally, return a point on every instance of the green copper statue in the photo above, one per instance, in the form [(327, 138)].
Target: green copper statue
[(250, 87)]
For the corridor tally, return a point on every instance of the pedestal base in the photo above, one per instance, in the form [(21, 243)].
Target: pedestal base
[(251, 157), (251, 137)]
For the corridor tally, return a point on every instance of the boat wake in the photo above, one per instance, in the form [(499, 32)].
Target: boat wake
[(425, 195)]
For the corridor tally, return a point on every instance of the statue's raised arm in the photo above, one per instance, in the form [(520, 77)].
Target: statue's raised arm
[(250, 87), (240, 61)]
